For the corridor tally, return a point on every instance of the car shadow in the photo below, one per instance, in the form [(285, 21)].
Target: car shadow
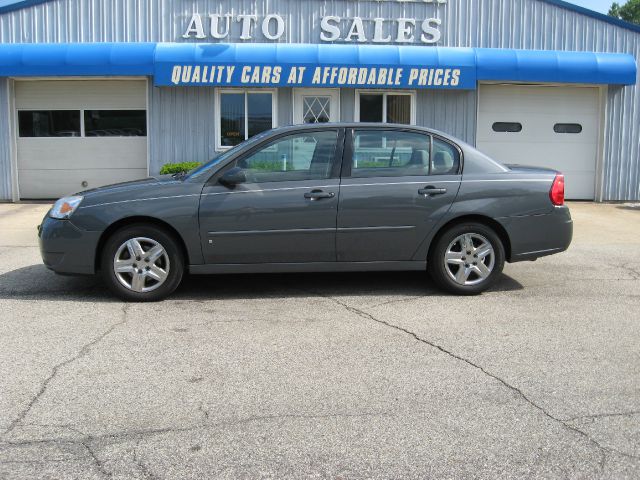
[(35, 282)]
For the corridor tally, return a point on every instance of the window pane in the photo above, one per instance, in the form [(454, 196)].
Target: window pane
[(307, 156), (380, 153), (316, 109), (399, 109), (446, 158), (567, 128), (115, 123), (371, 107), (231, 119), (49, 123), (507, 127), (260, 109)]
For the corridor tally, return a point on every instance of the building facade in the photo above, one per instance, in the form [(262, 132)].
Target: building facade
[(98, 91)]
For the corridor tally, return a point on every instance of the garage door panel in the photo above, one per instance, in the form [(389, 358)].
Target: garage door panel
[(82, 153), (540, 128), (89, 142), (52, 184), (538, 109), (70, 94)]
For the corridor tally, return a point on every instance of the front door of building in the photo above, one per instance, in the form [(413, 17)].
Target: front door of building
[(316, 105)]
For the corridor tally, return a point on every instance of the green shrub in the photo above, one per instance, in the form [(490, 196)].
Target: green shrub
[(171, 168)]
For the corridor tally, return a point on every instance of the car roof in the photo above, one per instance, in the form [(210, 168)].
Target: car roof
[(386, 126)]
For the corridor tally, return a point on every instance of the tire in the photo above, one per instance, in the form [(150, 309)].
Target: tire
[(479, 268), (156, 275)]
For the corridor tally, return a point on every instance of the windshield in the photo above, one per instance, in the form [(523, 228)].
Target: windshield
[(206, 170)]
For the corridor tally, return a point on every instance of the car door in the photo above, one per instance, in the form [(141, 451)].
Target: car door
[(396, 185), (285, 211)]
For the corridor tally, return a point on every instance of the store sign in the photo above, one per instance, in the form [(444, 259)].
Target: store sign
[(332, 28), (314, 76)]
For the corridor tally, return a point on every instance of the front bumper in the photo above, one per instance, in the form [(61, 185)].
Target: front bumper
[(536, 236), (67, 249)]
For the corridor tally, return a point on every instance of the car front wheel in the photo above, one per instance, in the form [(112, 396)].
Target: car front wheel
[(466, 259), (142, 263)]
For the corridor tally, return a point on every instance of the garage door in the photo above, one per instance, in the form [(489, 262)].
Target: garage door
[(74, 135), (555, 127)]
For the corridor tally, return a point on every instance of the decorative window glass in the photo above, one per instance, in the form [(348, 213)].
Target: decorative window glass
[(316, 109)]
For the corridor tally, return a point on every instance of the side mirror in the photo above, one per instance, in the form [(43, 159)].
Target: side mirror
[(233, 177)]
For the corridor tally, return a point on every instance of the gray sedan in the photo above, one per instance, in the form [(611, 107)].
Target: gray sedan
[(329, 198)]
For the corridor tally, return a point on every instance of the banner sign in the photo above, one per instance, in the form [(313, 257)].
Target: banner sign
[(290, 75)]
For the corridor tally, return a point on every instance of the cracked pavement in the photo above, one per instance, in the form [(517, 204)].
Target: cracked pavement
[(327, 376)]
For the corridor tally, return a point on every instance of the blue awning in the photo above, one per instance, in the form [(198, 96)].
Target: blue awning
[(325, 65)]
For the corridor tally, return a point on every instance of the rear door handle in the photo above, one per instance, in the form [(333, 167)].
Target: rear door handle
[(318, 195), (431, 191)]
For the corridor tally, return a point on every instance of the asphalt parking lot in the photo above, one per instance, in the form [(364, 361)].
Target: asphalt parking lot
[(326, 376)]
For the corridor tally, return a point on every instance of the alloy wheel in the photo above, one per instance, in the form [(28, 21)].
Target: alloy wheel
[(141, 264), (469, 259)]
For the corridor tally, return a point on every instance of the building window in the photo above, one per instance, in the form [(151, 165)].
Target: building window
[(385, 107), (244, 114), (115, 123), (507, 127), (49, 123), (567, 128)]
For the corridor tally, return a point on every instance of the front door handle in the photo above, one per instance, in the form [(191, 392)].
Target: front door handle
[(318, 195), (430, 191)]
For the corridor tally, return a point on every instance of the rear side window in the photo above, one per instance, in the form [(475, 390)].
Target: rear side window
[(390, 153), (507, 127), (445, 159)]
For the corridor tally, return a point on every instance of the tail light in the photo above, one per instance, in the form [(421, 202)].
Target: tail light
[(557, 190)]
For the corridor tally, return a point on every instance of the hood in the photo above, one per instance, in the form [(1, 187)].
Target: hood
[(152, 187), (128, 186)]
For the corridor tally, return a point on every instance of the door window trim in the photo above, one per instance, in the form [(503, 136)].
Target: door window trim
[(385, 93), (218, 110), (347, 156)]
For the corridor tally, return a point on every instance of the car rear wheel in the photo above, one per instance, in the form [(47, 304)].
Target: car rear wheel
[(142, 263), (466, 259)]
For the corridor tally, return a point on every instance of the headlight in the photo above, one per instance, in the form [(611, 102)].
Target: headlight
[(65, 207)]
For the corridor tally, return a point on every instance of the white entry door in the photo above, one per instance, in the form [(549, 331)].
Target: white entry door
[(316, 105), (543, 126)]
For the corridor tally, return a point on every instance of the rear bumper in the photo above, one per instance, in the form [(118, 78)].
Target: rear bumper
[(537, 236), (67, 249)]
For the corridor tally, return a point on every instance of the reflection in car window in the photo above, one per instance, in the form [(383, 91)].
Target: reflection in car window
[(389, 153), (303, 156)]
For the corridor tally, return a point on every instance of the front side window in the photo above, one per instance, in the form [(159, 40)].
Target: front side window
[(115, 123), (243, 115), (388, 153), (303, 156), (49, 123), (385, 107)]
